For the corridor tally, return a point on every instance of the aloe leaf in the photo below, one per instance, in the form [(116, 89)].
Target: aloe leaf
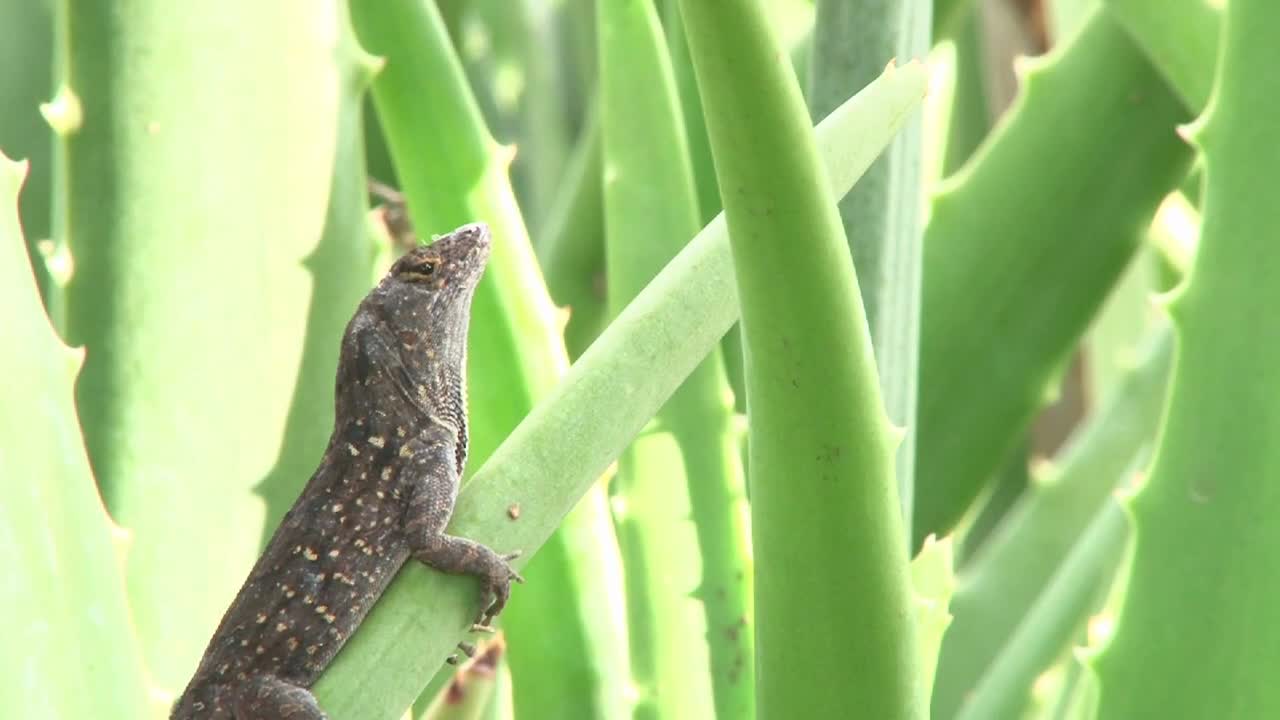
[(572, 249), (1118, 330), (1002, 582), (1180, 37), (1067, 16), (650, 209), (340, 267), (1064, 698), (1109, 168), (1058, 613), (882, 214), (947, 14), (572, 436), (704, 180), (71, 647), (1202, 513), (969, 119), (191, 291), (28, 28), (511, 56), (933, 580), (704, 171), (1080, 701), (1005, 489), (824, 509)]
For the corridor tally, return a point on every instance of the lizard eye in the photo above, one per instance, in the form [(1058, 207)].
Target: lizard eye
[(419, 271)]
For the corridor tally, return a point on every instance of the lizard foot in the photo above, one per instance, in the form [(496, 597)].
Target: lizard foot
[(460, 556), (497, 590)]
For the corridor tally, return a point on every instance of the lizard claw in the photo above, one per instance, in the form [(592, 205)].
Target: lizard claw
[(498, 589), (514, 576)]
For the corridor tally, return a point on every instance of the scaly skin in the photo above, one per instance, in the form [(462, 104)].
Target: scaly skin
[(383, 493)]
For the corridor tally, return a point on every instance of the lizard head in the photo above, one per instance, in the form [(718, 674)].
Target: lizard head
[(411, 330), (449, 268), (426, 298)]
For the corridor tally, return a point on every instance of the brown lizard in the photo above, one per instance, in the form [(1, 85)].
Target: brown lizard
[(383, 493)]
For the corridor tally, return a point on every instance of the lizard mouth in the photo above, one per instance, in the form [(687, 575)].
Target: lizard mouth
[(470, 242), (465, 252)]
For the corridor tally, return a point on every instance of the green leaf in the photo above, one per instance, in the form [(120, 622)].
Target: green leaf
[(511, 56), (1058, 614), (1003, 581), (28, 29), (968, 118), (1195, 636), (197, 185), (934, 584), (572, 247), (882, 214), (573, 435), (71, 648), (1009, 287), (1180, 37), (827, 529), (650, 211)]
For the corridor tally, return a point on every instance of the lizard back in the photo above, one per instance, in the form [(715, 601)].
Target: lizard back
[(400, 380)]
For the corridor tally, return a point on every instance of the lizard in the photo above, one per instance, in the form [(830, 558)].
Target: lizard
[(383, 493)]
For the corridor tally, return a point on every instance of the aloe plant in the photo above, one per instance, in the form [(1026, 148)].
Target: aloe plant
[(66, 614), (763, 441), (986, 223), (687, 467), (881, 216), (1218, 399)]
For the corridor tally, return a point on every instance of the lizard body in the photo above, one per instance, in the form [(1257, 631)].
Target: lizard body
[(383, 493)]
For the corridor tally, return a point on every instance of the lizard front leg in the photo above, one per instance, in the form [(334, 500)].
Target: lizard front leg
[(431, 470)]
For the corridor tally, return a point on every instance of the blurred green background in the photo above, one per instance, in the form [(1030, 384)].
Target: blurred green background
[(984, 434)]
